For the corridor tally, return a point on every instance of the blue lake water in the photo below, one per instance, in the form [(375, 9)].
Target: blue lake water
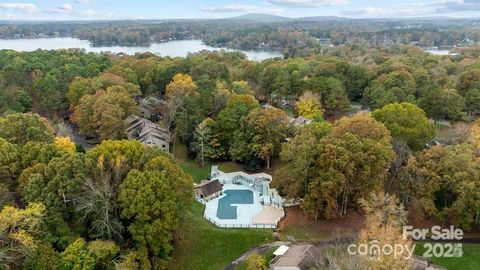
[(171, 48)]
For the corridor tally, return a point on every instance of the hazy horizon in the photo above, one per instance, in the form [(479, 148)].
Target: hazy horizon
[(74, 10)]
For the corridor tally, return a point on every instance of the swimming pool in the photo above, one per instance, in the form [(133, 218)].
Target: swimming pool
[(225, 208)]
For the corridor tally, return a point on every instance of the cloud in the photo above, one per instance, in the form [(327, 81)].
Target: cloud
[(20, 7), (240, 9), (84, 1), (65, 8), (457, 5), (415, 9), (87, 13), (308, 3)]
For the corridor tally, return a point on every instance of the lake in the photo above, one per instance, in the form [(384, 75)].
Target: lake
[(171, 48)]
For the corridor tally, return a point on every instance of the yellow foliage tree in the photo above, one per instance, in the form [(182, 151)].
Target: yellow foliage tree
[(475, 130), (17, 230), (256, 262), (309, 105), (66, 144), (383, 229), (180, 87)]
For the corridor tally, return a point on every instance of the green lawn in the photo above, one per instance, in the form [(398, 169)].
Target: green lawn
[(194, 169), (201, 245), (305, 233), (469, 261)]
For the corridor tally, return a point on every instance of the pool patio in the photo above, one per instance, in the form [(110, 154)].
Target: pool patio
[(246, 201)]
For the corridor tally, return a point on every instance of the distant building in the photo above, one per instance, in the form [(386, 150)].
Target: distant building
[(299, 121), (151, 108), (148, 133), (208, 189), (297, 257)]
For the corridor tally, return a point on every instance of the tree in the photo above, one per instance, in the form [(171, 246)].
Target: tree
[(77, 257), (443, 104), (264, 134), (180, 87), (352, 161), (20, 128), (256, 262), (104, 112), (9, 163), (300, 155), (469, 79), (44, 257), (472, 99), (66, 144), (55, 185), (229, 119), (475, 130), (104, 253), (406, 122), (207, 140), (309, 105), (384, 220), (148, 201), (18, 231)]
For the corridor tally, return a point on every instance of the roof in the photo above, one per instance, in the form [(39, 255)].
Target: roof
[(301, 256), (280, 250), (146, 131), (299, 121), (209, 187)]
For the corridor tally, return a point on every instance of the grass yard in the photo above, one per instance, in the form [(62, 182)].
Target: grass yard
[(201, 245), (194, 169), (469, 261), (297, 226)]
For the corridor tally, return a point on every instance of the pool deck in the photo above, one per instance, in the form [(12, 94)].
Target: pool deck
[(245, 212)]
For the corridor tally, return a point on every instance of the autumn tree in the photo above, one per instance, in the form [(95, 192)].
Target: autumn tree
[(19, 229), (233, 115), (21, 128), (385, 217), (104, 112), (353, 159), (149, 202), (66, 144), (443, 104), (180, 87), (300, 155), (309, 106), (256, 262), (262, 136), (406, 122), (207, 141), (76, 256)]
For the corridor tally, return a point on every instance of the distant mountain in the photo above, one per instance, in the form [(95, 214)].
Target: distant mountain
[(259, 17)]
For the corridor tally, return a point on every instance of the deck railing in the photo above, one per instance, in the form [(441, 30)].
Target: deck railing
[(245, 226)]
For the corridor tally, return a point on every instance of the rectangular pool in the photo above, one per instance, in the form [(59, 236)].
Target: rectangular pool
[(225, 208)]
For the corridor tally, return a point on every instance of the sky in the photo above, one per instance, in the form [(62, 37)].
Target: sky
[(182, 9)]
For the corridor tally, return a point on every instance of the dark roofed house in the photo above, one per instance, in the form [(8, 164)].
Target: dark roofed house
[(297, 257), (151, 108), (147, 132), (208, 189)]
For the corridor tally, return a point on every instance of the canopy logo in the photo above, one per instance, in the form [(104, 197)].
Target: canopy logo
[(445, 248)]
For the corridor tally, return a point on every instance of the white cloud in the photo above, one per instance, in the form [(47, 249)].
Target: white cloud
[(84, 1), (308, 3), (20, 7), (87, 13), (65, 8), (240, 9)]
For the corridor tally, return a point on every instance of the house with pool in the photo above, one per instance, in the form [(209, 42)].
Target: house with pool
[(240, 200)]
